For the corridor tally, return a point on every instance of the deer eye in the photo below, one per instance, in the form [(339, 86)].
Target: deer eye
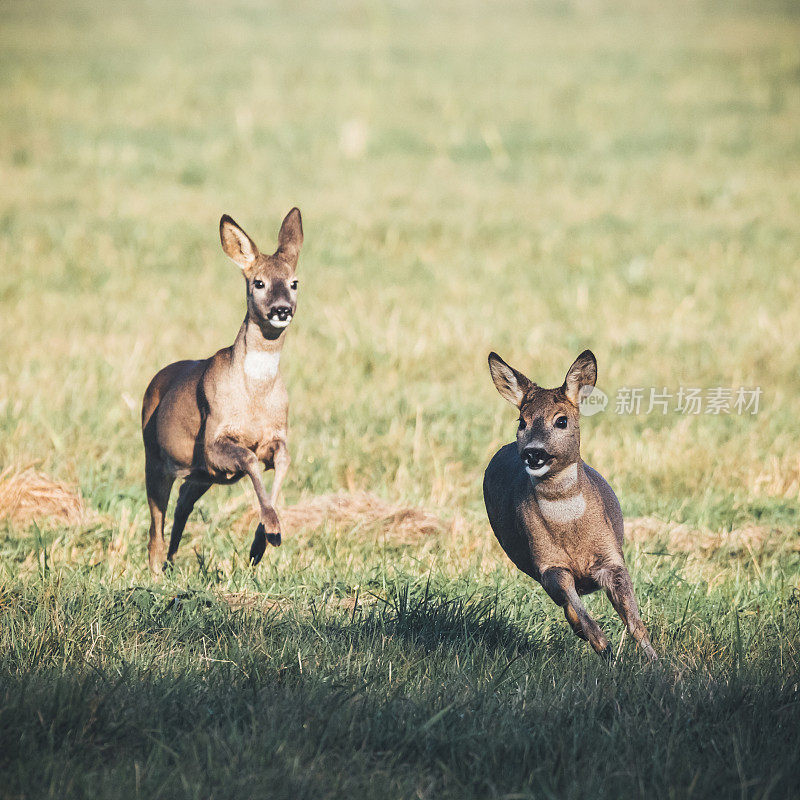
[(561, 422), (258, 284), (521, 424), (293, 285)]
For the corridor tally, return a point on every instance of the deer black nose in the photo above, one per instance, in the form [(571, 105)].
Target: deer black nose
[(535, 457), (281, 312)]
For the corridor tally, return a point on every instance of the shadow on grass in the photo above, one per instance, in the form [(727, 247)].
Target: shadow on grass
[(424, 619), (139, 693)]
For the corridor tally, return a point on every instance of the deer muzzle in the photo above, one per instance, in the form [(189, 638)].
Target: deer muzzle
[(279, 316), (536, 460)]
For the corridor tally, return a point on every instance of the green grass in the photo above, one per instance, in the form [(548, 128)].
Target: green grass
[(533, 178), (439, 689)]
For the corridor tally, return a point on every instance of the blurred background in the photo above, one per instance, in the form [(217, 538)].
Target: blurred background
[(534, 178)]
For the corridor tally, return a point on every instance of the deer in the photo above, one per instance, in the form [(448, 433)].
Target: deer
[(218, 419), (555, 517)]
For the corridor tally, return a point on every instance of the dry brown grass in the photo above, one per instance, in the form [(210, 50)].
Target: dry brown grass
[(680, 538), (356, 509), (28, 496), (776, 477)]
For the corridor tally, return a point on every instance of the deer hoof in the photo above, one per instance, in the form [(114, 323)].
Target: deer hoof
[(259, 545), (274, 538)]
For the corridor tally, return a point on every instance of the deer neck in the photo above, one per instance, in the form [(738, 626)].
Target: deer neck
[(257, 353), (560, 497)]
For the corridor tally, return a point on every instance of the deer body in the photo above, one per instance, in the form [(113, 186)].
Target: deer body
[(555, 517), (219, 419)]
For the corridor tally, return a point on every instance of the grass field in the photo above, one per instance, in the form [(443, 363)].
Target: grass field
[(533, 178)]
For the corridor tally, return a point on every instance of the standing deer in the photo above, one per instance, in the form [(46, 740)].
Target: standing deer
[(555, 517), (224, 417)]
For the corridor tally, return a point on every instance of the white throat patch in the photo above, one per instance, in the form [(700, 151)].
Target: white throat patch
[(567, 509), (567, 478), (261, 366)]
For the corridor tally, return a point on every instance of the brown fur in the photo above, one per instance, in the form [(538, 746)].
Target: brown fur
[(224, 417), (564, 526)]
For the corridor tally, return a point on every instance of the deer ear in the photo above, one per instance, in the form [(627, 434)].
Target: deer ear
[(583, 372), (290, 238), (236, 244), (511, 384)]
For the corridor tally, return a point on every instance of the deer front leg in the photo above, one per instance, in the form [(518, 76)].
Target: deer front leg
[(227, 455), (574, 622), (560, 585), (619, 588), (280, 463)]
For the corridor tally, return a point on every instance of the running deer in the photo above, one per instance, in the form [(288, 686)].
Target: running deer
[(555, 517), (224, 417)]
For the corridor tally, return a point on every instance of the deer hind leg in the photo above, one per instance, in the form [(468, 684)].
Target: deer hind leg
[(159, 485), (560, 585), (619, 588), (190, 492)]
